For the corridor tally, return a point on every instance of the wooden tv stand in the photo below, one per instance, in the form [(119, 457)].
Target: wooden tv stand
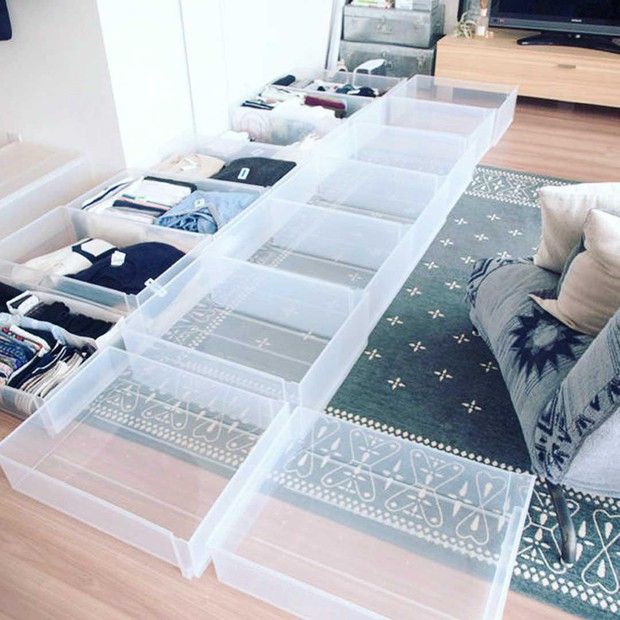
[(562, 73)]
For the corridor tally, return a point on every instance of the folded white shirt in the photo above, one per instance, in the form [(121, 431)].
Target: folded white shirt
[(71, 259)]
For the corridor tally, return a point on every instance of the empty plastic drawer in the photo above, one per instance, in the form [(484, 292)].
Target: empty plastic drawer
[(275, 333), (143, 452), (474, 124), (63, 227), (36, 179), (365, 189), (441, 154), (501, 98), (361, 253), (340, 521)]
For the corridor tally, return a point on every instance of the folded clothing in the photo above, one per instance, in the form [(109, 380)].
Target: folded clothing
[(193, 166), (261, 171), (276, 97), (49, 365), (143, 200), (72, 258), (324, 86), (46, 373), (107, 191), (206, 211), (50, 310), (6, 294), (15, 352), (59, 314), (286, 80), (129, 269)]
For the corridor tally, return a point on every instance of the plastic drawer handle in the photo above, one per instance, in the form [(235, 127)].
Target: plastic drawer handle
[(388, 63), (562, 65)]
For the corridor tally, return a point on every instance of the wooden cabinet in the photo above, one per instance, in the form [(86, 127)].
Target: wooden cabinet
[(562, 73)]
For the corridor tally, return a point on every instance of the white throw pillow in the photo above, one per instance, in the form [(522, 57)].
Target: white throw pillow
[(564, 211), (590, 291)]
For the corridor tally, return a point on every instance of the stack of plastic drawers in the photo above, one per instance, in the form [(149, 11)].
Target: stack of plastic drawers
[(35, 178), (204, 439)]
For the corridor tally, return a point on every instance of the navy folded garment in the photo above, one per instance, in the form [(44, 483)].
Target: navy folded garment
[(127, 270), (262, 171), (6, 294), (287, 80), (75, 323)]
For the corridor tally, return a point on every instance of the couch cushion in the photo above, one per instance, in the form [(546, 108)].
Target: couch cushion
[(585, 400), (589, 293), (564, 210), (534, 350)]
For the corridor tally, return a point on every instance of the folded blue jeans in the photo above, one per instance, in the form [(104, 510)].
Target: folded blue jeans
[(206, 211)]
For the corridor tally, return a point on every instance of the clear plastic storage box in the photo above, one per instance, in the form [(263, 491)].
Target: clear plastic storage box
[(204, 184), (363, 188), (143, 452), (444, 155), (35, 179), (308, 80), (501, 98), (278, 127), (204, 438), (361, 253), (22, 404), (340, 521), (275, 333), (228, 149), (476, 125), (63, 226)]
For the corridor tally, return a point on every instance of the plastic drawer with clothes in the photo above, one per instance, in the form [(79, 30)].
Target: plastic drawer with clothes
[(83, 328), (174, 201), (106, 260)]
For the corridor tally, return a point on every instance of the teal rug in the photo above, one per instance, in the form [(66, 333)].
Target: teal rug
[(428, 377)]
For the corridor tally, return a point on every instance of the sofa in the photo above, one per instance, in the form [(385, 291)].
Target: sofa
[(565, 385)]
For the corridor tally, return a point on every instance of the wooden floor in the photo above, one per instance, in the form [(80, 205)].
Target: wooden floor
[(54, 567), (562, 140)]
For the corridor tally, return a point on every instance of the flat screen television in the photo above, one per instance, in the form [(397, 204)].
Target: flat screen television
[(581, 23)]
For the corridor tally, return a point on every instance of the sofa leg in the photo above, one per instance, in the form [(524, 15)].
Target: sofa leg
[(567, 527)]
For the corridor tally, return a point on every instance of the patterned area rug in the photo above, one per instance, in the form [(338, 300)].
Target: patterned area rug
[(427, 376)]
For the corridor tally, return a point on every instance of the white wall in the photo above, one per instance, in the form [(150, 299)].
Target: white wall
[(109, 78), (146, 58), (236, 46), (54, 83)]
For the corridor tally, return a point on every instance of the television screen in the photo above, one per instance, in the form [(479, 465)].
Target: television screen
[(586, 16)]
